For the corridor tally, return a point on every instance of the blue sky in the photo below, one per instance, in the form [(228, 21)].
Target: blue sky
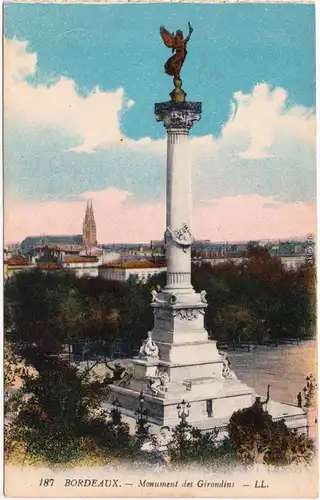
[(234, 50)]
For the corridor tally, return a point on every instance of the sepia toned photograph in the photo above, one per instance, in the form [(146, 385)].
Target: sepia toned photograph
[(160, 250)]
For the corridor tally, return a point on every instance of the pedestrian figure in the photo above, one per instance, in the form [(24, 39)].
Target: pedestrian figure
[(299, 399)]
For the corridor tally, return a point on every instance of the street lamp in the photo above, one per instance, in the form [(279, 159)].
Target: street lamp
[(115, 412), (117, 403), (183, 411), (308, 390), (141, 418), (141, 399)]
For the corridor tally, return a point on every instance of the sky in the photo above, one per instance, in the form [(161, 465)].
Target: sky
[(80, 83)]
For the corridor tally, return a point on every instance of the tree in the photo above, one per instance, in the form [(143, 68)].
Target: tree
[(44, 312), (59, 406), (281, 301), (60, 414), (47, 311), (258, 439), (12, 370), (190, 444), (237, 320)]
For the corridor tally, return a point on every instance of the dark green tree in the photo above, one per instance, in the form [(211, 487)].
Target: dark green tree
[(258, 439)]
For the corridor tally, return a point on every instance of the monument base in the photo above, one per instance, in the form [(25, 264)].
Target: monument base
[(294, 417), (212, 390), (177, 362), (163, 411)]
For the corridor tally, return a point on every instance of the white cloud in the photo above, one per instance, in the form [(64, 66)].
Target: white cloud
[(256, 120), (95, 118), (18, 62), (266, 147), (260, 119)]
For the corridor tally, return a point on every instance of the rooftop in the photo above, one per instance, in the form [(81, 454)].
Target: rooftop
[(53, 239), (48, 265), (91, 251), (18, 261), (134, 264), (71, 259)]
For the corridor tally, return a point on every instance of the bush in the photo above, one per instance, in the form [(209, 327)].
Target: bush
[(189, 444), (258, 439)]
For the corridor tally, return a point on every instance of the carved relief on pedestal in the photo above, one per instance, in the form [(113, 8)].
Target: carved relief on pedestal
[(160, 314), (155, 299), (203, 295), (188, 314), (182, 237), (173, 299), (149, 348), (158, 384), (154, 294), (156, 312), (228, 374)]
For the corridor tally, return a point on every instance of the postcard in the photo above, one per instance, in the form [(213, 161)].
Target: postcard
[(159, 250)]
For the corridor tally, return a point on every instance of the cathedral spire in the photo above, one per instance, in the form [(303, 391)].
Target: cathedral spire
[(89, 227)]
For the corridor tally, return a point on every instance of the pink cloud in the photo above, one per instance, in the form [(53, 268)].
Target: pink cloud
[(121, 219), (253, 217)]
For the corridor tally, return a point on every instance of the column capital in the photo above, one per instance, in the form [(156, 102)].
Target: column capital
[(178, 117)]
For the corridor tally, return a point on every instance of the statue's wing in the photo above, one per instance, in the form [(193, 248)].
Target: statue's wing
[(168, 39)]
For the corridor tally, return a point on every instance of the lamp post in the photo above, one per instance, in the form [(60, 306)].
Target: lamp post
[(115, 413), (183, 412), (309, 389), (308, 392), (305, 390), (141, 418)]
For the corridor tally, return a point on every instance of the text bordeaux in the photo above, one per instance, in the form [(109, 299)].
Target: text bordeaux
[(98, 483)]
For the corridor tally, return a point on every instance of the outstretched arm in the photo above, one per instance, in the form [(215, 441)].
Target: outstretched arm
[(268, 396), (190, 33)]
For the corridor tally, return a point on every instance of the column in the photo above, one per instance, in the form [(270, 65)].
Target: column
[(178, 119)]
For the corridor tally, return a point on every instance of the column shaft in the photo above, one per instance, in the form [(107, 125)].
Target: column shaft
[(178, 119), (178, 206)]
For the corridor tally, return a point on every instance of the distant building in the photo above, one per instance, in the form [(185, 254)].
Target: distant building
[(53, 241), (289, 261), (49, 267), (69, 244), (13, 246), (81, 266), (14, 265), (123, 270), (89, 227), (293, 261)]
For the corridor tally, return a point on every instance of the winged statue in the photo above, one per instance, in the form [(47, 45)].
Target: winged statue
[(178, 44)]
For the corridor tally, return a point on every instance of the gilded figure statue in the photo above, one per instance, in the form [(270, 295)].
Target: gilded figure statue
[(174, 64)]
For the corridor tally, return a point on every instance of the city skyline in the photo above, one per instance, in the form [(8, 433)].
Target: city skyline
[(76, 131)]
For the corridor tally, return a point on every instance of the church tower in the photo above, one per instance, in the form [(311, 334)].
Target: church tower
[(89, 227)]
